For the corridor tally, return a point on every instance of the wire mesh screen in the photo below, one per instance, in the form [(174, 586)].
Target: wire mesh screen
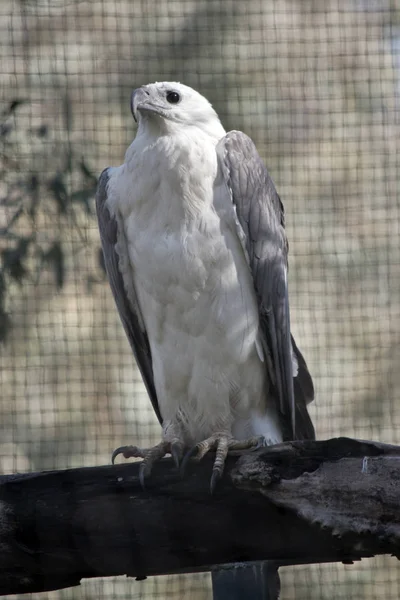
[(316, 85)]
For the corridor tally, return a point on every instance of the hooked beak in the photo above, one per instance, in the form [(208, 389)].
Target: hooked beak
[(140, 101)]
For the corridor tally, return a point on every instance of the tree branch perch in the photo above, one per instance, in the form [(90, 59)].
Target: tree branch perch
[(300, 502)]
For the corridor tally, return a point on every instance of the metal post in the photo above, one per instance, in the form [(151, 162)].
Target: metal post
[(246, 581)]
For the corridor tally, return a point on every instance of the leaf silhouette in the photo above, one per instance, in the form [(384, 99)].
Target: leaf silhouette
[(87, 172), (59, 191), (12, 259), (55, 257)]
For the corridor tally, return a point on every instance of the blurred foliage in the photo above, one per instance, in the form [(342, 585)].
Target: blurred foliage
[(24, 200)]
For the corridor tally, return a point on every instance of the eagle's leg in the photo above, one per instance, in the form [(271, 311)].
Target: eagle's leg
[(222, 443), (172, 444)]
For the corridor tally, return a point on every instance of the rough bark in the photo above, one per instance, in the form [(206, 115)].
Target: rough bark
[(300, 502)]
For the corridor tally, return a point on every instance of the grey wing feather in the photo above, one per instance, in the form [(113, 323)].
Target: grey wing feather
[(128, 308), (261, 216)]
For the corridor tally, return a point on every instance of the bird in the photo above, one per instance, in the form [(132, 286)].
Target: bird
[(193, 237)]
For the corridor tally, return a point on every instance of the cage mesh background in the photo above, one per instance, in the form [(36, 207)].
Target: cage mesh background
[(316, 85)]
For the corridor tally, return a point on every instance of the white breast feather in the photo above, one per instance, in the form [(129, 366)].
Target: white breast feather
[(183, 258)]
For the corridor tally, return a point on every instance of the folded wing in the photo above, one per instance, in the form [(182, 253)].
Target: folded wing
[(113, 241), (260, 216)]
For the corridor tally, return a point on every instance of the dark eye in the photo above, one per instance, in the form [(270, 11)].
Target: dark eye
[(173, 97)]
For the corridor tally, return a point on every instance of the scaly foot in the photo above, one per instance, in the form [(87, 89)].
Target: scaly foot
[(150, 455), (222, 443)]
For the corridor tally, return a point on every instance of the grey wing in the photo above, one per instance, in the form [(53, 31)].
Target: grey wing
[(128, 308), (260, 215)]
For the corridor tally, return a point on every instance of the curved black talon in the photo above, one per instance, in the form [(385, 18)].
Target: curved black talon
[(120, 450), (186, 459), (176, 453), (215, 477), (142, 474)]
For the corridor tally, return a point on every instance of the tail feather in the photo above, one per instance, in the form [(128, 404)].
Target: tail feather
[(303, 394)]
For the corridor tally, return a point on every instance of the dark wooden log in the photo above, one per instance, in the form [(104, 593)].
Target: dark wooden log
[(257, 580), (300, 502)]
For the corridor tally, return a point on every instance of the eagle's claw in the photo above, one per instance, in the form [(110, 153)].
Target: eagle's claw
[(150, 456), (222, 444), (127, 452), (176, 451)]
